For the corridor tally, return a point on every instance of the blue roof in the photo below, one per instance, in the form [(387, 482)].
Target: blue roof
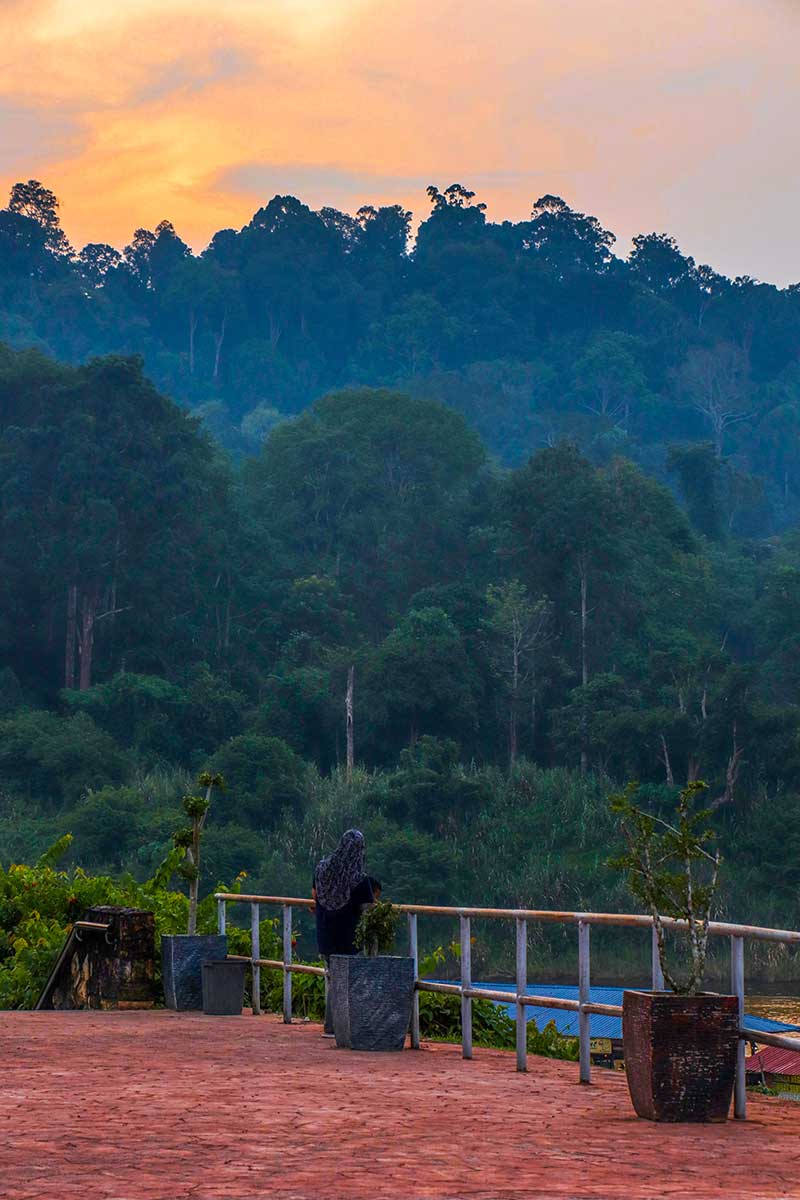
[(600, 1026)]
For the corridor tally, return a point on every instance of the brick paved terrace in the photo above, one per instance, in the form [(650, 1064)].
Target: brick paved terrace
[(162, 1106)]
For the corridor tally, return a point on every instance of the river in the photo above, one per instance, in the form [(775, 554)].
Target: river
[(772, 1000), (776, 1007)]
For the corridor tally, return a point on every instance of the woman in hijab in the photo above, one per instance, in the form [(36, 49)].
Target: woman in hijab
[(341, 890)]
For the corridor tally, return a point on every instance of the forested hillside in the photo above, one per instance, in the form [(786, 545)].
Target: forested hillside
[(520, 639), (534, 330)]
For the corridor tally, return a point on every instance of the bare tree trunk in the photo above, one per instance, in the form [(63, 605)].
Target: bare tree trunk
[(72, 627), (731, 774), (274, 330), (584, 663), (219, 338), (192, 331), (348, 704), (89, 601), (512, 714), (194, 882), (665, 760), (584, 622)]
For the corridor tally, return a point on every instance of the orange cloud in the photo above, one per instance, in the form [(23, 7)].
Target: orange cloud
[(651, 116)]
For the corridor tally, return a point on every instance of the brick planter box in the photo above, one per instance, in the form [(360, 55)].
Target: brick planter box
[(680, 1054)]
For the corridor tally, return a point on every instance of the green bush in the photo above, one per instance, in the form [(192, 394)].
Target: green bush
[(58, 758), (440, 1020), (38, 905), (264, 776), (377, 928)]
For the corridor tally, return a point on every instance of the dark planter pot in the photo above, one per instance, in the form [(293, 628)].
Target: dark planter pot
[(182, 956), (223, 987), (371, 1000), (680, 1054)]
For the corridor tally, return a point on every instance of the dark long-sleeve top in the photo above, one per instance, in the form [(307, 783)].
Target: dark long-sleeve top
[(336, 931)]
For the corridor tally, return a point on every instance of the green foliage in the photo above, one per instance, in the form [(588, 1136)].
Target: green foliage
[(440, 1021), (661, 864), (522, 639), (265, 777), (440, 1018), (377, 928), (157, 717), (57, 760), (188, 839), (38, 905)]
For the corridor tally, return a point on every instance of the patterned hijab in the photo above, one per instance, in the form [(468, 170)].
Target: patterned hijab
[(337, 875)]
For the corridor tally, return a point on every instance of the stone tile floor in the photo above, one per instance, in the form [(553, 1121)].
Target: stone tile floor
[(168, 1106)]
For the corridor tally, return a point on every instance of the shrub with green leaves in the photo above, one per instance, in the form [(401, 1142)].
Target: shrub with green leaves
[(440, 1018), (39, 903), (672, 869), (377, 927), (187, 840)]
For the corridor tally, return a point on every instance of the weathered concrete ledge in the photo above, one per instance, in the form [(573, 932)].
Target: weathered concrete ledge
[(167, 1106)]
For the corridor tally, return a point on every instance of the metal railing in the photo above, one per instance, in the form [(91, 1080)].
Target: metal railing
[(584, 1005)]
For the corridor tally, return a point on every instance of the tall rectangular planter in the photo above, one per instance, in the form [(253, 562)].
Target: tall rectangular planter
[(371, 1000), (680, 1054), (182, 958)]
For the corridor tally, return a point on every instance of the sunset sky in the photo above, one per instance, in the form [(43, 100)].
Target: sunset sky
[(667, 115)]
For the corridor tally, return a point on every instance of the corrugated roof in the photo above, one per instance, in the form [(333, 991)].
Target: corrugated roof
[(775, 1061), (599, 1026)]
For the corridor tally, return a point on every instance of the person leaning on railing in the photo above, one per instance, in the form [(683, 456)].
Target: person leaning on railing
[(341, 889)]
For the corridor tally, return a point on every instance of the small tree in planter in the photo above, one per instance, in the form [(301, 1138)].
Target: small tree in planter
[(680, 1046), (188, 839), (182, 955), (377, 928), (372, 995)]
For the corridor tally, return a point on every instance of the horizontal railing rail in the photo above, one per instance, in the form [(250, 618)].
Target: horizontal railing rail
[(545, 916), (584, 1006)]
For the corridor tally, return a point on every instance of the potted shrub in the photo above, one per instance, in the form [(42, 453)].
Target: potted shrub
[(182, 955), (680, 1045), (372, 994)]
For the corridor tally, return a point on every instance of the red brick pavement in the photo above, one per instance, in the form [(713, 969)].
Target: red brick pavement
[(166, 1106)]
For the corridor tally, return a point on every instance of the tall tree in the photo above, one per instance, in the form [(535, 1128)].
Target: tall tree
[(39, 204), (715, 383), (517, 627), (565, 522)]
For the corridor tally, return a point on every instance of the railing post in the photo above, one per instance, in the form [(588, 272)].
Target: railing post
[(413, 950), (655, 958), (522, 987), (466, 982), (287, 958), (584, 996), (737, 987), (255, 953), (221, 924)]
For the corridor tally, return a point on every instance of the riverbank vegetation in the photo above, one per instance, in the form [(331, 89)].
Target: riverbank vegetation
[(530, 579)]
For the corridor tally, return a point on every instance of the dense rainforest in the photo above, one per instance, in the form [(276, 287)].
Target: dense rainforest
[(531, 505)]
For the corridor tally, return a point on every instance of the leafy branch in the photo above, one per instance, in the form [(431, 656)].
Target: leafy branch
[(377, 928), (188, 839), (673, 869)]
